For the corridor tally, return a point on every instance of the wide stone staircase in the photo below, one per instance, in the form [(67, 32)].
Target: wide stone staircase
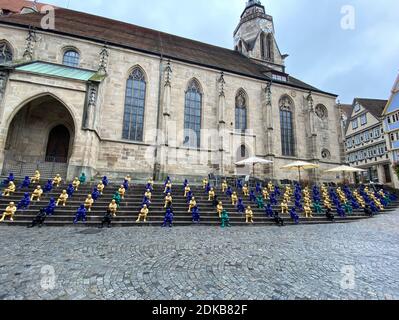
[(131, 205)]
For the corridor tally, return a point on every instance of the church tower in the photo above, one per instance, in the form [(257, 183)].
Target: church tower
[(254, 36)]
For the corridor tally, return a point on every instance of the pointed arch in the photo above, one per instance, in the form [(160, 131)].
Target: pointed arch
[(193, 114), (269, 47), (135, 98), (241, 110), (263, 46), (6, 52), (286, 105)]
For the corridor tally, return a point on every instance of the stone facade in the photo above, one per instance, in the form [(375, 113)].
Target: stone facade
[(96, 127)]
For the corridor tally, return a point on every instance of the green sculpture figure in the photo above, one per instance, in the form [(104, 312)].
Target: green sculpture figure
[(260, 203), (225, 219), (117, 198), (317, 208), (348, 208), (82, 178)]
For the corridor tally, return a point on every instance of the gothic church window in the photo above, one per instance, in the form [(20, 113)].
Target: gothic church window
[(71, 58), (133, 121), (192, 115), (321, 112), (287, 127), (241, 111), (5, 53)]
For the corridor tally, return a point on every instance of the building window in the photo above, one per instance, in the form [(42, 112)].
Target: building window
[(133, 122), (241, 111), (71, 58), (321, 112), (325, 154), (287, 127), (192, 115), (355, 124), (5, 53), (269, 49), (278, 77), (357, 107), (263, 46), (363, 119)]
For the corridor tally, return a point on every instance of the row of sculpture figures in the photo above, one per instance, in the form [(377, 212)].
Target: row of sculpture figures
[(263, 197)]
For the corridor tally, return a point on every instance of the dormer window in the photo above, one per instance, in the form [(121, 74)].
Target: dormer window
[(357, 107), (279, 77)]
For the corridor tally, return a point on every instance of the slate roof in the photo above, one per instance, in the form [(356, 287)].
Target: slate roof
[(121, 34), (374, 106)]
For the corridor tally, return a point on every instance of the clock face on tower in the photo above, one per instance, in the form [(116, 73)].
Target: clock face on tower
[(266, 26)]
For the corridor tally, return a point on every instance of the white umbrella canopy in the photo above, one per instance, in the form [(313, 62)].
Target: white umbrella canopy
[(346, 169), (298, 165), (253, 161)]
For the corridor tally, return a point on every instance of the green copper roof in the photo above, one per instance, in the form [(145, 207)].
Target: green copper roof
[(57, 71)]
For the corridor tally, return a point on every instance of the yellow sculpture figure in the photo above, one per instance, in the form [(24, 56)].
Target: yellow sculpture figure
[(224, 186), (265, 194), (76, 183), (234, 198), (128, 178), (379, 204), (57, 180), (62, 198), (168, 185), (204, 183), (327, 204), (168, 199), (270, 186), (10, 212), (37, 193), (249, 215), (36, 177), (245, 190), (193, 203), (308, 210), (148, 194), (211, 194), (219, 209), (151, 182), (288, 190), (187, 189), (10, 189), (143, 214), (100, 187), (89, 202), (284, 207), (122, 191), (113, 207), (286, 197)]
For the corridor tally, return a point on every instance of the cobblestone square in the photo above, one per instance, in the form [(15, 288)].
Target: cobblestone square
[(303, 262)]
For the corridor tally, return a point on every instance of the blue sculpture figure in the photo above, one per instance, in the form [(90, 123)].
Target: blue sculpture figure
[(95, 194), (341, 211), (298, 205), (277, 191), (273, 199), (229, 192), (80, 215), (168, 220), (294, 216), (258, 188), (240, 206), (168, 190), (167, 180), (355, 204), (126, 185), (146, 202), (24, 203), (208, 188), (25, 183), (196, 215), (239, 184), (185, 184), (252, 196), (10, 178), (51, 207), (70, 190), (392, 196), (105, 181), (373, 207), (48, 187), (269, 211), (149, 187), (189, 196)]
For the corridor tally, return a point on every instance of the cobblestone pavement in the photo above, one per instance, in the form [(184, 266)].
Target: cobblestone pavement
[(303, 262)]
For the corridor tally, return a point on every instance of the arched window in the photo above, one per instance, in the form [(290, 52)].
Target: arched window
[(287, 127), (321, 111), (71, 58), (269, 44), (133, 120), (263, 46), (5, 53), (192, 115), (240, 46), (241, 111)]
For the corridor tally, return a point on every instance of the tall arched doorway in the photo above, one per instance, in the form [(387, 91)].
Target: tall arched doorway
[(58, 144), (40, 136)]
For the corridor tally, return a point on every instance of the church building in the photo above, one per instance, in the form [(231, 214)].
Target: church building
[(86, 93)]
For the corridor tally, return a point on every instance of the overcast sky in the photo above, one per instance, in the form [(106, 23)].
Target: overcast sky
[(363, 62)]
